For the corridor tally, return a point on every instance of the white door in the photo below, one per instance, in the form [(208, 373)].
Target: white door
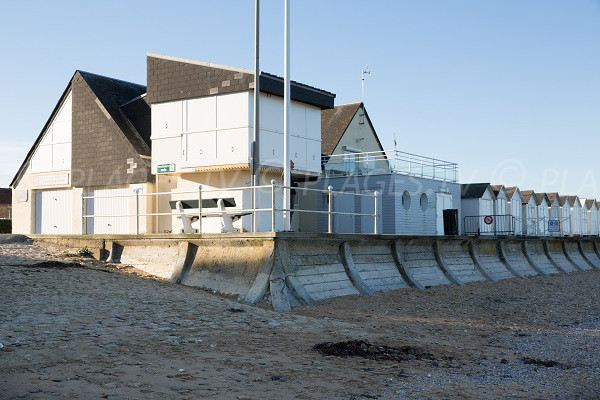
[(111, 209), (54, 212), (517, 212), (486, 208), (443, 202)]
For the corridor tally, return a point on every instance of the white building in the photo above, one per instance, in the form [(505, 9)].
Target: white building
[(530, 220), (576, 216), (515, 207), (477, 207), (501, 212), (593, 220), (554, 212), (542, 213)]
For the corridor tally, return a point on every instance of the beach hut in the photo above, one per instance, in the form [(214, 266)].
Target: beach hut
[(585, 226), (576, 220), (515, 208), (477, 205), (542, 213), (593, 214), (565, 216), (554, 211), (530, 223), (501, 214)]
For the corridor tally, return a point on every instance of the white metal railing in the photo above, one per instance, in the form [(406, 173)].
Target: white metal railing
[(389, 161), (273, 209)]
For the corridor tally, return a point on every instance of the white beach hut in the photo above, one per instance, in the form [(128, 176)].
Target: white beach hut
[(530, 222), (477, 206), (542, 213), (515, 208), (554, 211), (576, 220), (593, 214), (565, 216), (585, 225), (501, 213)]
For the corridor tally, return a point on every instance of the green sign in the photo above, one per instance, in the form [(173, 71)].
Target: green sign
[(163, 168)]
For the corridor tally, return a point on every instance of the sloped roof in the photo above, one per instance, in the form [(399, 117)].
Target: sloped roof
[(497, 189), (510, 192), (5, 196), (590, 203), (113, 94), (553, 197), (564, 200), (539, 198), (473, 190), (573, 200), (334, 123), (527, 195)]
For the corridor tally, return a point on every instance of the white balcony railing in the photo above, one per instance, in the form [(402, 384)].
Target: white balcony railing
[(389, 161)]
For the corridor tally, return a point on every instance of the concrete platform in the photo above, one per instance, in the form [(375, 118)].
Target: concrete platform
[(289, 269)]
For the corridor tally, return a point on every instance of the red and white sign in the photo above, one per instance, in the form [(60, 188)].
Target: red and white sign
[(488, 220)]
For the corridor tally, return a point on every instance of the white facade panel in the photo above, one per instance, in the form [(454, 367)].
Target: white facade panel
[(271, 148), (42, 159), (61, 131), (53, 211), (233, 146), (298, 119), (313, 155), (201, 114), (233, 110), (271, 113), (167, 119), (61, 156), (298, 152), (200, 148), (313, 124), (166, 151)]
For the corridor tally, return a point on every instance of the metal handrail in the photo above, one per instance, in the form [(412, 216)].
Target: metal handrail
[(203, 213)]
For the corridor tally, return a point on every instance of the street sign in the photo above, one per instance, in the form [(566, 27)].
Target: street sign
[(554, 225), (164, 168), (488, 220)]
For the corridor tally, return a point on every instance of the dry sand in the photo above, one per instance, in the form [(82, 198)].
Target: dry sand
[(102, 331)]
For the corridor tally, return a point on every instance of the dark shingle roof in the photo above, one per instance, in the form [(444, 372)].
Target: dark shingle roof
[(114, 93), (510, 192), (473, 190), (590, 203), (563, 200), (497, 189), (552, 197), (539, 198), (5, 196), (527, 195), (334, 123), (573, 200)]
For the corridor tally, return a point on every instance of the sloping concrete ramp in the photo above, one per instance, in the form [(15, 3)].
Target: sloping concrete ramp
[(288, 270), (588, 252)]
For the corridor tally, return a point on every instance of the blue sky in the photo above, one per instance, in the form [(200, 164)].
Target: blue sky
[(509, 89)]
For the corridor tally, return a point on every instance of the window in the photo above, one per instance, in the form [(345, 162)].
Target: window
[(424, 202), (406, 200)]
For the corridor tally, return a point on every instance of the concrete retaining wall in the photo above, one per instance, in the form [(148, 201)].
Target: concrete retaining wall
[(574, 255), (375, 264), (293, 269), (588, 252), (454, 253), (417, 257), (536, 255), (515, 257), (486, 256), (556, 254)]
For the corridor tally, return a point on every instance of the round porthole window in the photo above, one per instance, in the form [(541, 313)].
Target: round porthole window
[(424, 202), (406, 200)]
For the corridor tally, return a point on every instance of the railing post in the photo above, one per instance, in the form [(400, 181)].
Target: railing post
[(137, 211), (273, 205), (199, 208), (330, 210), (83, 230), (376, 214)]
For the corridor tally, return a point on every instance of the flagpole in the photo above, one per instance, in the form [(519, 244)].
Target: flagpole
[(287, 178)]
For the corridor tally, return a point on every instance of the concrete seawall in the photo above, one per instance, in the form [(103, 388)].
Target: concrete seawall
[(287, 269)]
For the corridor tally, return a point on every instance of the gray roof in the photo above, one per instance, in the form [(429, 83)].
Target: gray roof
[(573, 200), (497, 189), (334, 123), (5, 196), (510, 192), (553, 197), (114, 94), (590, 203), (473, 190), (539, 198), (527, 195)]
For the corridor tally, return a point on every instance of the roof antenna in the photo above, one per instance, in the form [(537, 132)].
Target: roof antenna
[(366, 71)]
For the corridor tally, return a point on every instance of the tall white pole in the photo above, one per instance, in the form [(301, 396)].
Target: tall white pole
[(256, 131), (287, 177)]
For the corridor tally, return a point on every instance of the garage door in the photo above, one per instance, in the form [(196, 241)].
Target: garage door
[(54, 211), (110, 207)]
